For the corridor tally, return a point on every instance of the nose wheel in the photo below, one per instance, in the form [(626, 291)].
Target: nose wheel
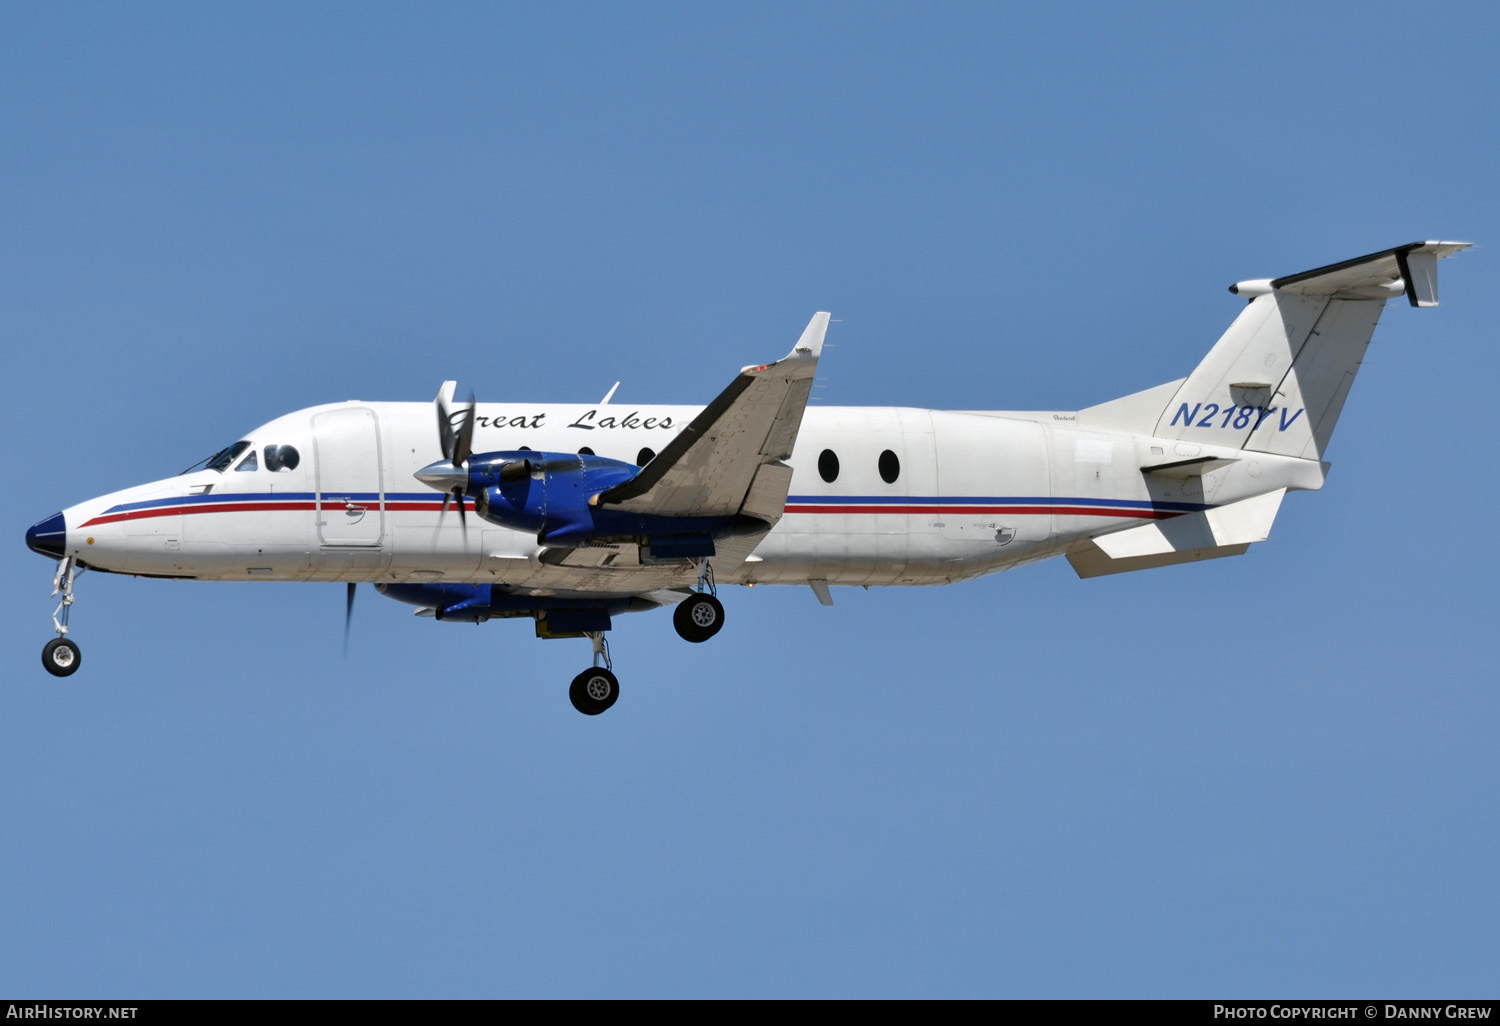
[(60, 655)]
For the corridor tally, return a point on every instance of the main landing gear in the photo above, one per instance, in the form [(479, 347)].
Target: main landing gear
[(60, 656), (595, 690), (697, 618), (701, 615)]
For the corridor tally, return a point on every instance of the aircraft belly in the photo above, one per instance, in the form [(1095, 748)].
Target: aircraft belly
[(875, 550), (561, 581)]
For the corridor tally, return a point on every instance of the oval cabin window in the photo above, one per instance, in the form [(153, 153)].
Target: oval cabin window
[(890, 467), (281, 458), (644, 457), (828, 466)]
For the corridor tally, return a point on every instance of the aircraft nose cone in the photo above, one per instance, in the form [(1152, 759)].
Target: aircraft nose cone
[(48, 537)]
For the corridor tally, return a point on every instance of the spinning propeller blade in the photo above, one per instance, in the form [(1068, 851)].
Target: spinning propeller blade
[(456, 438), (456, 430), (458, 495), (463, 443), (348, 617)]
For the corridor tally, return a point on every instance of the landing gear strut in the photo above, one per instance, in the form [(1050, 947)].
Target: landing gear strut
[(700, 616), (60, 656), (595, 690)]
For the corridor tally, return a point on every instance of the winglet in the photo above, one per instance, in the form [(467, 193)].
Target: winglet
[(803, 359), (810, 345)]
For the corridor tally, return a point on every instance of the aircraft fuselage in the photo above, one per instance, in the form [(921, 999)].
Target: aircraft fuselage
[(916, 497)]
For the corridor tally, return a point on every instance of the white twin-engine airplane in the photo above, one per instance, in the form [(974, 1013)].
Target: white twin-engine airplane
[(581, 513)]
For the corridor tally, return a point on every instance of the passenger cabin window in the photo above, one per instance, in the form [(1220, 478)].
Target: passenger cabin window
[(585, 451), (644, 457), (828, 466), (249, 462), (890, 467), (281, 458)]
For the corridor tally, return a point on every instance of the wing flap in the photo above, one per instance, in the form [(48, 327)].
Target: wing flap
[(766, 499)]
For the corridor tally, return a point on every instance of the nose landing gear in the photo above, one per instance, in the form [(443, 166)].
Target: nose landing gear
[(61, 656)]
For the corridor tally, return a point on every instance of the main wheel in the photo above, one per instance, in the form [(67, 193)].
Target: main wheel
[(61, 657), (594, 691), (698, 617)]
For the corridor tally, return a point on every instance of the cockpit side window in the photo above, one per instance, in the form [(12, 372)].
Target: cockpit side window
[(220, 460), (281, 458), (249, 462)]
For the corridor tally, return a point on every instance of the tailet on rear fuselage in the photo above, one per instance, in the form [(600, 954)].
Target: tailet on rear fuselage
[(571, 515)]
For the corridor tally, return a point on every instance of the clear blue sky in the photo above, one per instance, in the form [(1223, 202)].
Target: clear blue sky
[(1265, 776)]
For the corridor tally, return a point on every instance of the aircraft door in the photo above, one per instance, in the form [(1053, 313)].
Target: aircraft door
[(350, 490)]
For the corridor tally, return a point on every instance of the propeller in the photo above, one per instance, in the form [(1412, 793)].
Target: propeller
[(456, 438), (348, 617)]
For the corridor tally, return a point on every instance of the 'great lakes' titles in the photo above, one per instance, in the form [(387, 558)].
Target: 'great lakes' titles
[(589, 420)]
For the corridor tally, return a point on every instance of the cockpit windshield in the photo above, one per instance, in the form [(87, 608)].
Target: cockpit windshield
[(220, 460)]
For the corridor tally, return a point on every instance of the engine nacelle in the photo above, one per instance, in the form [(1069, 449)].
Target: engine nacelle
[(552, 495), (544, 493)]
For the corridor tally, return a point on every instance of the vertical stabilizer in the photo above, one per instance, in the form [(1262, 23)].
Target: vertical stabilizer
[(1277, 379)]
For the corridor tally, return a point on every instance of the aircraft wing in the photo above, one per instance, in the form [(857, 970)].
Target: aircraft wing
[(730, 459)]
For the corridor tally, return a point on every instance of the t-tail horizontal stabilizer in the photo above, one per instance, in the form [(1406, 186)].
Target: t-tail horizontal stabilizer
[(1210, 534), (1409, 269)]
